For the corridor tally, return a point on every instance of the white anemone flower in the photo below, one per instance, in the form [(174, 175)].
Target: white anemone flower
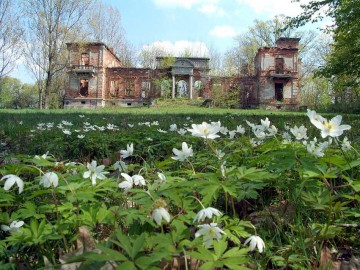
[(181, 131), (265, 123), (173, 127), (160, 213), (44, 156), (332, 128), (130, 181), (316, 151), (161, 178), (240, 129), (255, 241), (14, 226), (95, 172), (299, 132), (205, 130), (181, 155), (209, 232), (128, 152), (346, 145), (10, 180), (49, 178), (206, 213)]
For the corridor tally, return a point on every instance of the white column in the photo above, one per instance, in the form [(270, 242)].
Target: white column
[(173, 87), (191, 86)]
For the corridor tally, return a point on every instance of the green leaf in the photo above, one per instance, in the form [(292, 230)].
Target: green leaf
[(137, 245), (207, 266), (220, 247), (108, 254)]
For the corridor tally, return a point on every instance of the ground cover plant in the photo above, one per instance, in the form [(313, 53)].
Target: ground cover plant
[(157, 189)]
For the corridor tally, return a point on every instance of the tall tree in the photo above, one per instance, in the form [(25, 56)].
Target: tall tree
[(51, 24), (10, 36), (342, 65), (104, 25), (264, 34)]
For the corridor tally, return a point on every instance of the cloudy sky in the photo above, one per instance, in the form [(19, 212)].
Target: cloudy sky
[(204, 23)]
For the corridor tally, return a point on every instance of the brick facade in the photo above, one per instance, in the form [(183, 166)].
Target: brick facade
[(97, 78)]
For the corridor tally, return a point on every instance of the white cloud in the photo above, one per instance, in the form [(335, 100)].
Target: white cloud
[(178, 48), (223, 31), (211, 7), (274, 7)]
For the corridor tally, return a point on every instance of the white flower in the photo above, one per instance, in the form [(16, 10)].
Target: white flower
[(240, 129), (49, 178), (255, 241), (94, 172), (120, 165), (209, 232), (81, 136), (160, 213), (162, 131), (66, 131), (205, 130), (299, 132), (312, 149), (232, 134), (345, 146), (131, 125), (81, 116), (44, 156), (155, 123), (173, 127), (185, 153), (130, 181), (10, 180), (272, 131), (224, 130), (259, 134), (332, 128), (181, 131), (206, 213), (128, 152), (219, 154), (14, 226), (111, 127), (161, 178), (265, 123)]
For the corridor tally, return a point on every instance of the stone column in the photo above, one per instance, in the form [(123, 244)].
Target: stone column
[(173, 87), (191, 86)]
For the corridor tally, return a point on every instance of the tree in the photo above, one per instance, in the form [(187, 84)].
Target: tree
[(342, 66), (17, 95), (104, 25), (10, 36), (264, 34), (51, 24)]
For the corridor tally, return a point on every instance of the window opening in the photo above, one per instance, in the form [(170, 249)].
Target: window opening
[(84, 88), (279, 91)]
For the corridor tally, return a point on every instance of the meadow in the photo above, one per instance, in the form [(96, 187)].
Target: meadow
[(178, 187)]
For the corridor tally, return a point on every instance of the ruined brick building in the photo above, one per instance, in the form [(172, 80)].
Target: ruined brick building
[(98, 79)]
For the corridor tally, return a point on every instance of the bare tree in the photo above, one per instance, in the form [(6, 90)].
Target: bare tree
[(265, 34), (10, 36), (51, 24), (104, 25)]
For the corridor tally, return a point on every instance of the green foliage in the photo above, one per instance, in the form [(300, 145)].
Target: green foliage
[(296, 202)]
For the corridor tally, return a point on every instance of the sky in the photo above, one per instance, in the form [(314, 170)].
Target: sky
[(196, 25), (202, 23)]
